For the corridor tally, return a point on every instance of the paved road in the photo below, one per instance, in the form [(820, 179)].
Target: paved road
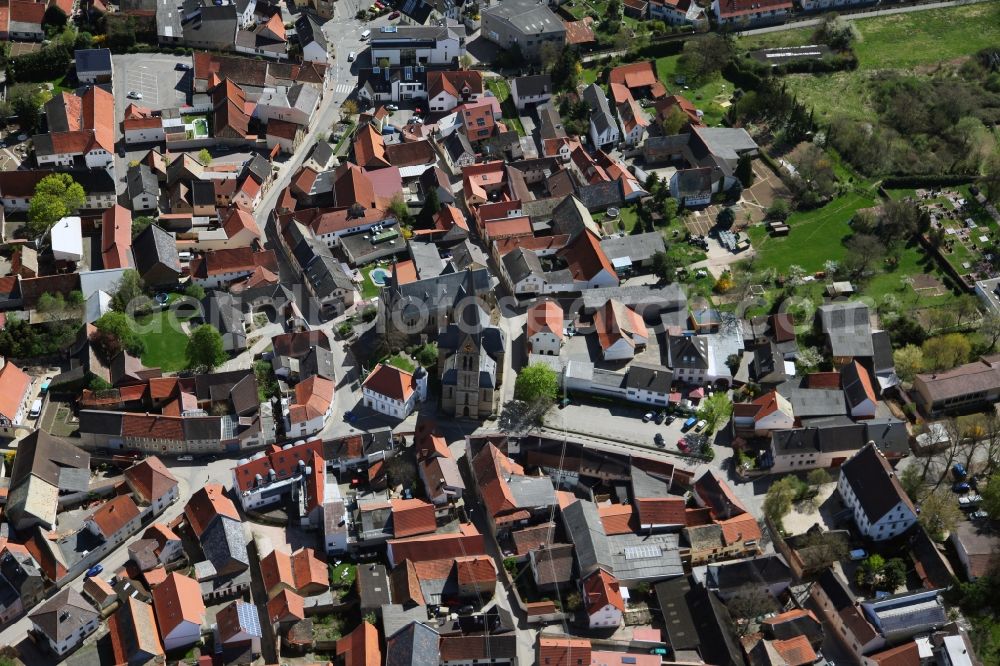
[(859, 14)]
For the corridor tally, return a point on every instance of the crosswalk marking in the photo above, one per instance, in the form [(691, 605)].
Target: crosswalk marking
[(344, 88)]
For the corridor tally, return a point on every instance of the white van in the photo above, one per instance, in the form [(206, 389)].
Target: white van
[(36, 408), (366, 34), (351, 56)]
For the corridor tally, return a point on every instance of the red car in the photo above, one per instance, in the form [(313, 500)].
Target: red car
[(393, 16), (682, 445)]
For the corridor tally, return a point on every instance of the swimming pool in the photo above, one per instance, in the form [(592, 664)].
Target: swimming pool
[(378, 276)]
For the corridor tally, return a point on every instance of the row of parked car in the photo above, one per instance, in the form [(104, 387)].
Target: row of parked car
[(967, 488)]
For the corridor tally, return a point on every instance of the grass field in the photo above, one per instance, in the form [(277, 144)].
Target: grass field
[(165, 342), (930, 37), (368, 288), (401, 361), (500, 88), (709, 96)]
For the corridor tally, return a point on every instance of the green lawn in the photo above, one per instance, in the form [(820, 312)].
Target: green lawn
[(815, 237), (368, 288), (401, 361), (709, 96), (337, 577), (165, 342), (501, 90), (930, 37)]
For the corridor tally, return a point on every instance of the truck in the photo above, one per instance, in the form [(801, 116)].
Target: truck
[(689, 423)]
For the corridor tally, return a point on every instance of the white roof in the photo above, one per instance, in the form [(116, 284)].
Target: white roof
[(67, 238)]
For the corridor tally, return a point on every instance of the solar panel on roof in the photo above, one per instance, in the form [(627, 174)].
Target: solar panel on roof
[(249, 619), (641, 552)]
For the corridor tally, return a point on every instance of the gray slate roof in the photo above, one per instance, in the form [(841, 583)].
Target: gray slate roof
[(92, 60), (584, 527)]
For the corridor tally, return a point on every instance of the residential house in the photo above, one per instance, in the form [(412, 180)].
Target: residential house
[(552, 566), (603, 600), (742, 13), (22, 584), (134, 637), (301, 572), (218, 268), (464, 650), (211, 27), (639, 78), (152, 483), (115, 520), (847, 328), (692, 187), (902, 616), (168, 545), (65, 621), (633, 122), (448, 89), (417, 45), (677, 12), (143, 188), (360, 647), (180, 611), (768, 574), (838, 605), (621, 332), (312, 40), (534, 89), (93, 65), (214, 521), (763, 415), (437, 466), (156, 257), (523, 24), (312, 405), (603, 128), (238, 627), (544, 327), (116, 238), (678, 104), (323, 8), (870, 488), (15, 397), (296, 473), (510, 497), (976, 544), (730, 531), (394, 392), (81, 131), (413, 645), (295, 104), (23, 20), (99, 591)]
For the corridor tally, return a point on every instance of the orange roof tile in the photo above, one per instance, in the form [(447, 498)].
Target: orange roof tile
[(796, 651), (369, 148), (492, 469), (116, 237), (404, 272), (14, 384), (530, 538), (436, 546), (286, 606), (475, 570), (740, 528), (360, 647), (617, 518), (309, 570), (150, 479), (563, 651), (114, 514), (391, 382), (586, 258), (601, 589), (907, 654), (276, 569), (411, 517), (313, 398), (547, 316), (176, 600), (207, 503)]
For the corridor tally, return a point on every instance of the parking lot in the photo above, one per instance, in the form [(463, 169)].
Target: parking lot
[(155, 76), (616, 422)]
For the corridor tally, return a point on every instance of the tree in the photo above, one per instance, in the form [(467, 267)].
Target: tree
[(398, 207), (748, 603), (194, 290), (808, 359), (778, 210), (726, 217), (349, 108), (819, 550), (140, 223), (744, 170), (893, 575), (520, 417), (665, 267), (427, 354), (573, 601), (912, 480), (991, 496), (669, 208), (401, 471), (204, 156), (465, 62), (939, 513), (56, 196), (837, 32), (51, 302), (909, 361), (119, 326), (779, 498), (966, 305), (945, 352), (863, 251), (703, 58), (674, 121), (715, 410), (130, 296), (990, 181), (989, 328), (870, 571), (536, 383), (818, 477), (25, 103), (205, 350)]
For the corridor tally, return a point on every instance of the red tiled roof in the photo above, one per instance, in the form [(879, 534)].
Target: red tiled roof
[(238, 220), (580, 32), (697, 517), (796, 651), (309, 570), (661, 511), (369, 148), (475, 570), (616, 321), (492, 469), (176, 600), (411, 517), (150, 479), (391, 382), (586, 258), (634, 75), (617, 519), (286, 606), (14, 384), (27, 12), (312, 399), (601, 589), (740, 528), (360, 647), (437, 546), (907, 654), (563, 651), (454, 83), (530, 538), (734, 8), (276, 569), (207, 503), (114, 514), (284, 462), (116, 237), (232, 260), (152, 426), (428, 442)]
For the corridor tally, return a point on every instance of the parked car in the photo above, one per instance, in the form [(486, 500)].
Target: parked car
[(682, 445), (658, 439), (660, 416), (700, 425), (351, 56), (391, 107), (183, 66), (647, 417), (670, 419), (960, 487), (959, 471), (134, 94), (689, 423), (393, 16), (858, 554), (95, 570), (978, 514), (969, 501)]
